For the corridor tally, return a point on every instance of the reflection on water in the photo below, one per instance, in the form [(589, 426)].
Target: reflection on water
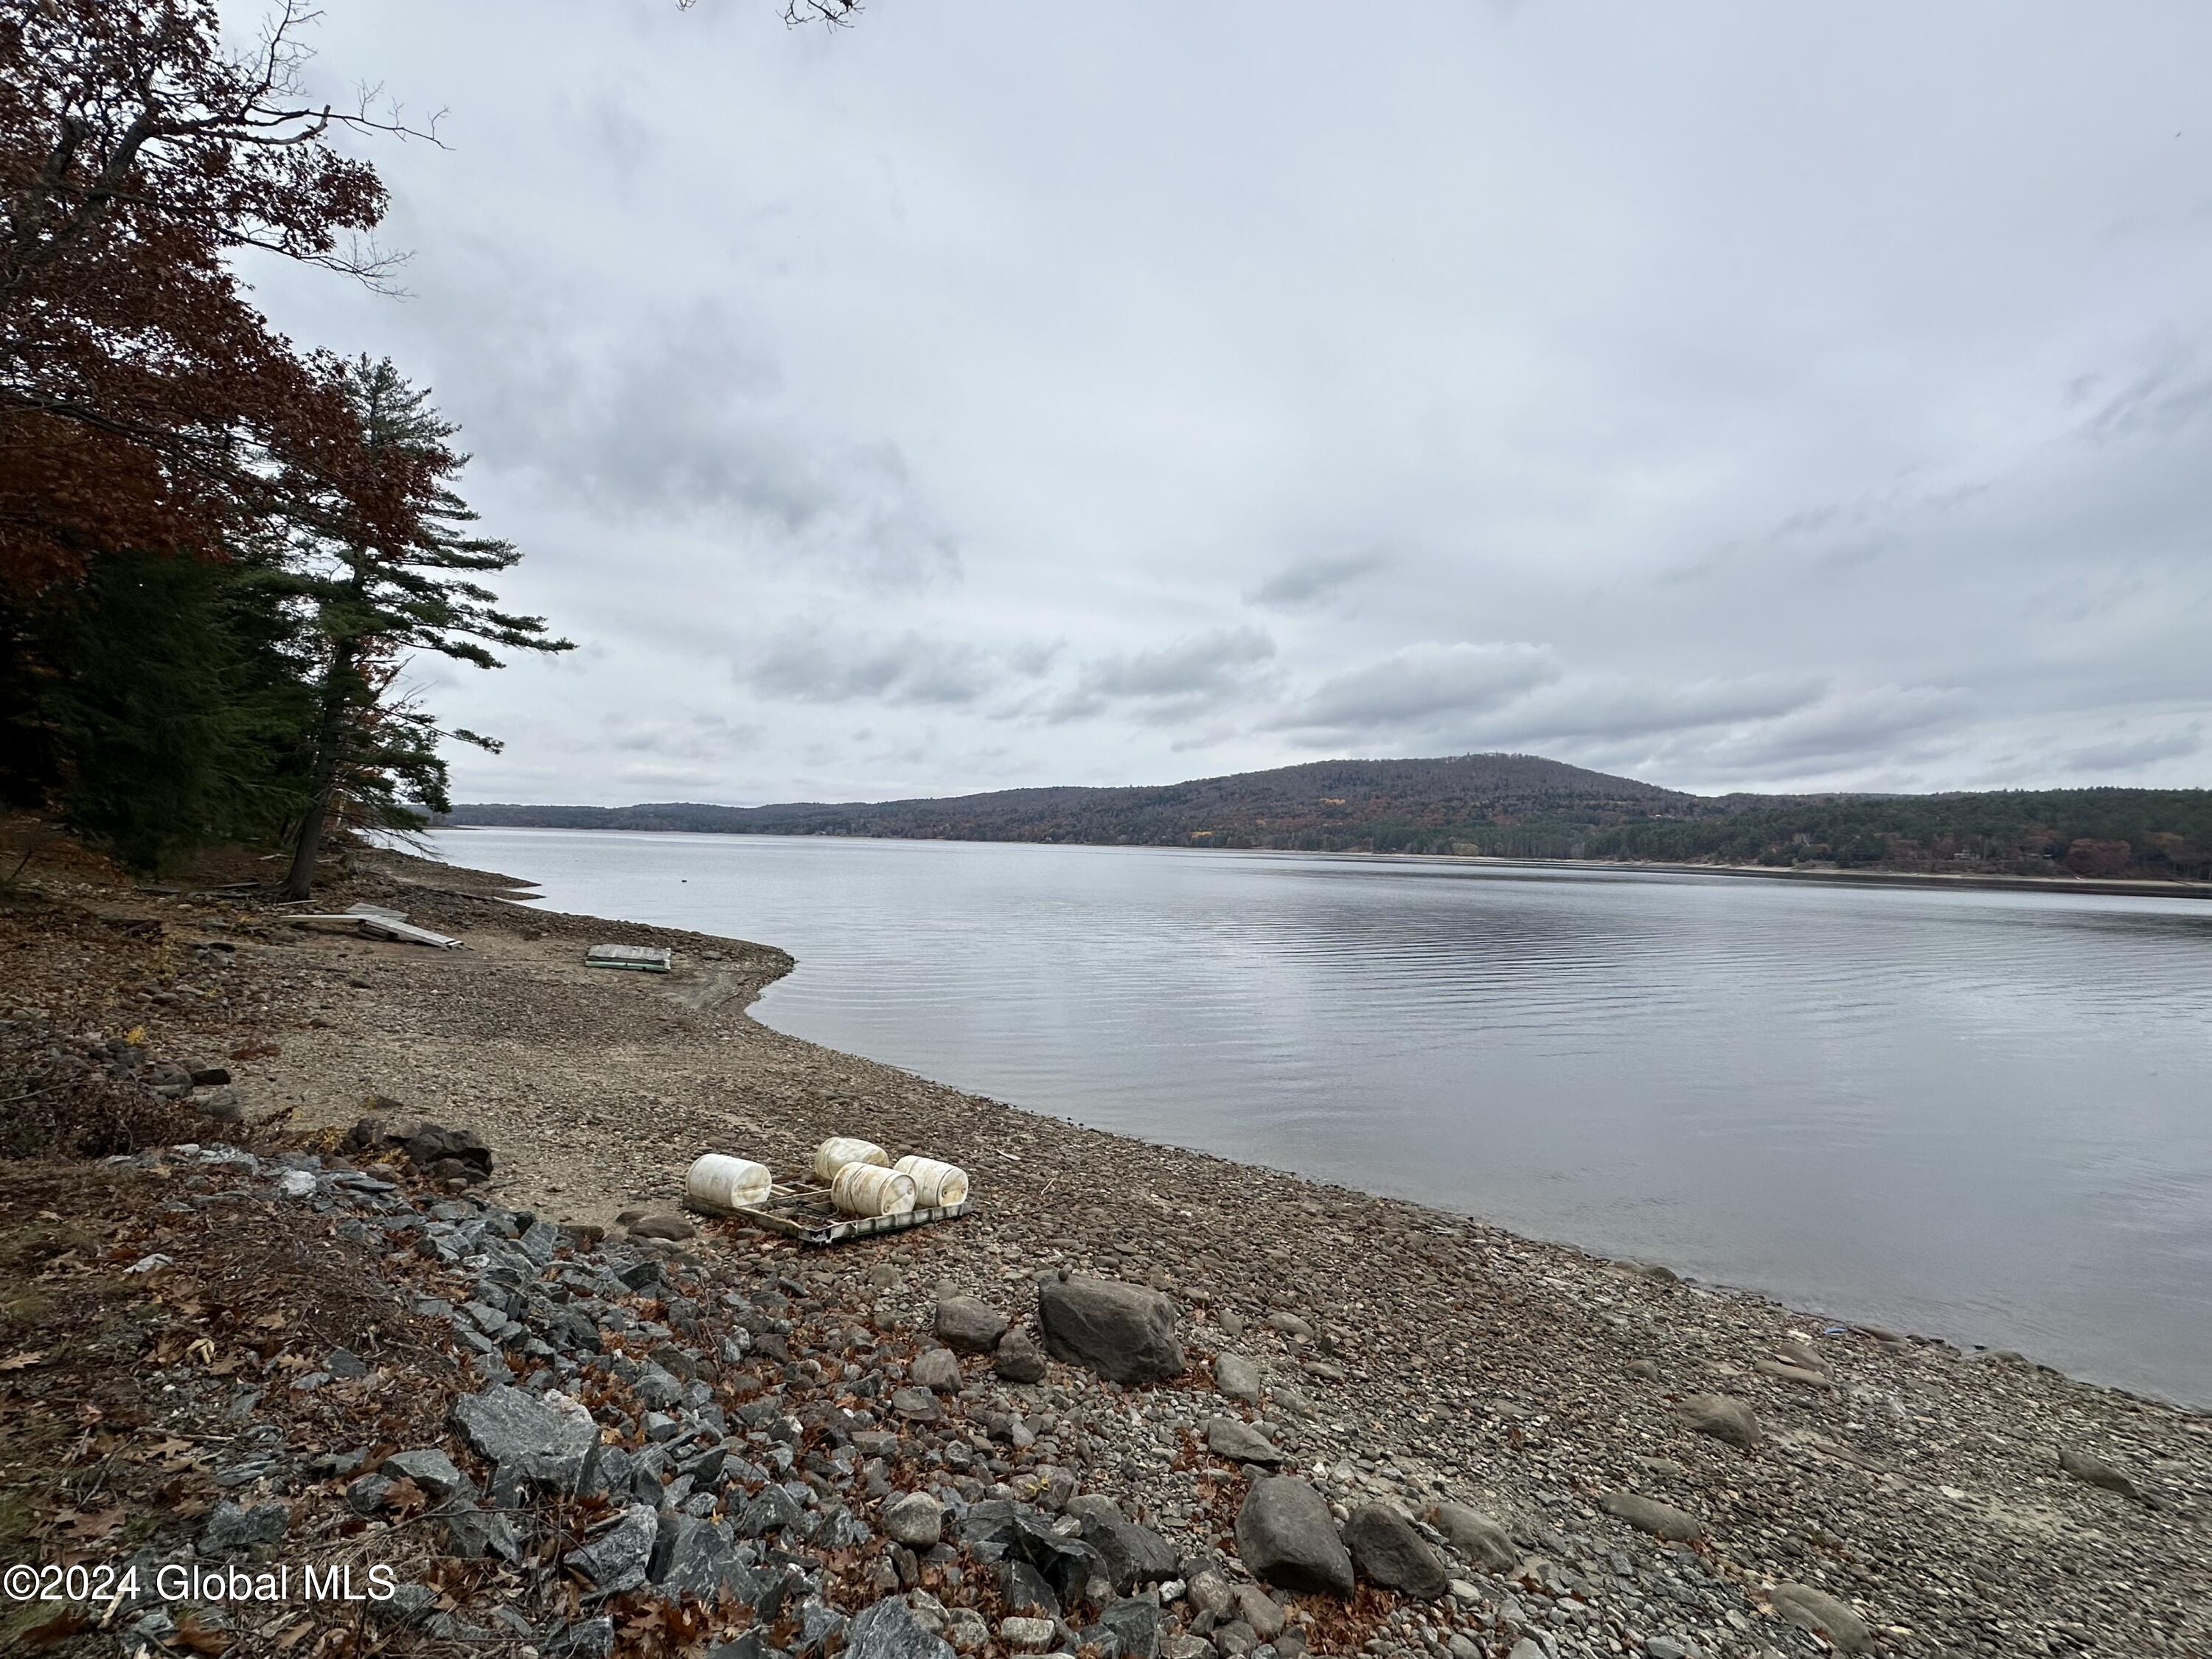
[(1980, 1115)]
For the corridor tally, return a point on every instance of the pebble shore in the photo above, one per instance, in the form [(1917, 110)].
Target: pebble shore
[(1386, 1429)]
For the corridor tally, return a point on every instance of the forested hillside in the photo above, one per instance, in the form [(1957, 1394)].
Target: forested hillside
[(1510, 805)]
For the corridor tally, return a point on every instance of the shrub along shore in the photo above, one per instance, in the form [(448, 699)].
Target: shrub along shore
[(1142, 1400)]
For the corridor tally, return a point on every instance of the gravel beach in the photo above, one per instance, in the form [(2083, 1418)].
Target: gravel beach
[(1512, 1448)]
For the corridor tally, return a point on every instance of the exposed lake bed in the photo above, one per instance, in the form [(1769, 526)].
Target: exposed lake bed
[(1980, 1114), (1600, 1412)]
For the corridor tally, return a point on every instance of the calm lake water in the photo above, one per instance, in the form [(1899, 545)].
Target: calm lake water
[(1983, 1116)]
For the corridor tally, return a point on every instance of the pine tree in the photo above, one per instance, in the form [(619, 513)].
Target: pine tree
[(379, 594)]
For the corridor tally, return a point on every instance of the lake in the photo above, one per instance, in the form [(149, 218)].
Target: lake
[(1981, 1116)]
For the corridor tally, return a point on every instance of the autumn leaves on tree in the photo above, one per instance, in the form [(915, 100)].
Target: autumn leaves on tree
[(157, 436)]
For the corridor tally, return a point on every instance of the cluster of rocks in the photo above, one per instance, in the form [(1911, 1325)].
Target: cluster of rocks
[(823, 1461), (65, 1057), (450, 1157)]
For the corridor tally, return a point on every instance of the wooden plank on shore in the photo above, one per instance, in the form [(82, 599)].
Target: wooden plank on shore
[(383, 927)]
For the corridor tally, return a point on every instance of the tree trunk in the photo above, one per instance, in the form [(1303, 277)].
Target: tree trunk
[(330, 740)]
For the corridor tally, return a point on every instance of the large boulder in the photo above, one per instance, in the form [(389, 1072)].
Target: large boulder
[(1237, 1377), (1019, 1358), (1386, 1550), (1134, 1556), (1240, 1443), (1476, 1536), (1124, 1333), (1723, 1417), (1285, 1537), (2094, 1471), (1817, 1611), (1650, 1514), (967, 1325), (432, 1145)]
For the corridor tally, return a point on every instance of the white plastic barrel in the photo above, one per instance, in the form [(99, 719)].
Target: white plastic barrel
[(872, 1189), (934, 1183), (834, 1153), (718, 1183)]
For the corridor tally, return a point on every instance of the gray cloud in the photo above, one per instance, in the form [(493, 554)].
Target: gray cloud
[(1203, 662), (1816, 463), (1418, 683), (1620, 706), (1307, 582), (912, 669), (2132, 754)]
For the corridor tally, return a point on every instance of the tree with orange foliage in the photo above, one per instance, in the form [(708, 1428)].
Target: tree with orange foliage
[(142, 398)]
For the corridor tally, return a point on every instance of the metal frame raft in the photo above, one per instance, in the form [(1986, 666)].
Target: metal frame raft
[(801, 1209)]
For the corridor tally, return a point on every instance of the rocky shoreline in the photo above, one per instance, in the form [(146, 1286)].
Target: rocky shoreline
[(1317, 1421)]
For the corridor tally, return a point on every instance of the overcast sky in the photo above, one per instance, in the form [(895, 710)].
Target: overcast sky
[(1735, 396)]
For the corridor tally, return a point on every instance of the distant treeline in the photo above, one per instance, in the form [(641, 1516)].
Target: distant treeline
[(2089, 832), (1504, 806)]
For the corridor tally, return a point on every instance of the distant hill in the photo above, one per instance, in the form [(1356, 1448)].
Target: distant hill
[(1509, 805), (1394, 805)]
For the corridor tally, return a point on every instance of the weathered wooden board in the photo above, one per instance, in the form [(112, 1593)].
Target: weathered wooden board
[(383, 926)]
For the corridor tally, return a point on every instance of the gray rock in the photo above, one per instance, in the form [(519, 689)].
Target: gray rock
[(1135, 1555), (913, 1519), (966, 1325), (968, 1629), (616, 1559), (673, 1228), (2095, 1472), (1134, 1625), (1817, 1611), (1019, 1358), (475, 1534), (918, 1405), (1259, 1610), (890, 1629), (230, 1527), (1123, 1333), (937, 1369), (431, 1469), (1240, 1443), (773, 1510), (1238, 1378), (1723, 1418), (1024, 1634), (503, 1424), (1475, 1537), (369, 1494), (1209, 1592), (1387, 1551), (1650, 1514), (691, 1556), (1285, 1537), (820, 1625)]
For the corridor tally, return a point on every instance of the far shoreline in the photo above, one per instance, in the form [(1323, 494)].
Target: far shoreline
[(1928, 880)]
